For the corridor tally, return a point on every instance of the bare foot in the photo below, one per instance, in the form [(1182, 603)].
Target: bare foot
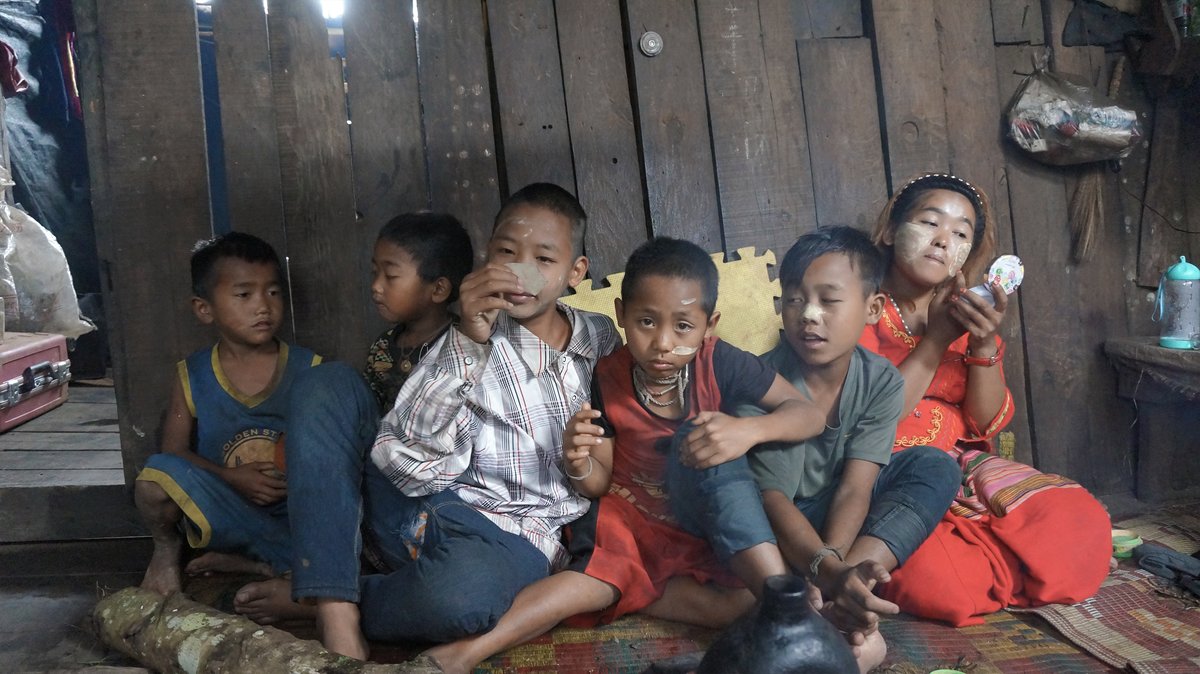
[(870, 653), (226, 562), (162, 574), (268, 601), (338, 627)]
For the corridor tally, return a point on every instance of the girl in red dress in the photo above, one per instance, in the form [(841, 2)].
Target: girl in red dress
[(1014, 536)]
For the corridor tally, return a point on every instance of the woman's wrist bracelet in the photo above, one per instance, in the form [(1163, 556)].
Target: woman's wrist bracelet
[(982, 361), (591, 464)]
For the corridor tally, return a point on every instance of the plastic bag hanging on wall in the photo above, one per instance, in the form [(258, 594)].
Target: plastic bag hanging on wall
[(1058, 120)]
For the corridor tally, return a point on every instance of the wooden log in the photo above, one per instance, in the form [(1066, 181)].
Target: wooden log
[(529, 93), (459, 140), (849, 180), (176, 634), (673, 115), (608, 173), (757, 116)]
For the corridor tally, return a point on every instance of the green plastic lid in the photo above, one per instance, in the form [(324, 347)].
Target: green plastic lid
[(1183, 271)]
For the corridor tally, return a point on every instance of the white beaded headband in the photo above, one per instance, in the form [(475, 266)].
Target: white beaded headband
[(951, 178)]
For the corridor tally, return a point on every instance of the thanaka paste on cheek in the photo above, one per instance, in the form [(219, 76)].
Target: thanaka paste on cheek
[(957, 254), (683, 350), (910, 240)]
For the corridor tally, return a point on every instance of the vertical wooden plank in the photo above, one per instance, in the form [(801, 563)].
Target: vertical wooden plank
[(1164, 212), (1189, 146), (1100, 288), (459, 141), (1088, 63), (844, 144), (826, 18), (608, 174), (673, 118), (535, 137), (248, 120), (1127, 190), (1017, 21), (385, 106), (757, 116), (972, 102), (140, 75), (1078, 426), (325, 244), (906, 51)]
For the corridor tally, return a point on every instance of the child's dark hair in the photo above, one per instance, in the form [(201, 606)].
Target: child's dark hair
[(234, 245), (554, 199), (863, 254), (672, 258), (437, 242)]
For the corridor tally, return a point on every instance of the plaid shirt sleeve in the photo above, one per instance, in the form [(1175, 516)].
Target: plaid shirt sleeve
[(425, 442)]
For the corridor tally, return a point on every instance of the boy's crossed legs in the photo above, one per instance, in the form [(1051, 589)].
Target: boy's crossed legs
[(172, 492)]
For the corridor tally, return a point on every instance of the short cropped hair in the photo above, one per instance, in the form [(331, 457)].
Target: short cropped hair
[(437, 242), (234, 245), (554, 199), (864, 256), (672, 258)]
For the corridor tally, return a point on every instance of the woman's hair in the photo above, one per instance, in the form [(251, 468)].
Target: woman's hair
[(983, 244)]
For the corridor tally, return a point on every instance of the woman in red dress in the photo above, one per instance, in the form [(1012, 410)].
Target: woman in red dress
[(1014, 536)]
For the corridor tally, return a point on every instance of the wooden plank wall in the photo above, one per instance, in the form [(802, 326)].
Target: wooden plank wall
[(759, 120)]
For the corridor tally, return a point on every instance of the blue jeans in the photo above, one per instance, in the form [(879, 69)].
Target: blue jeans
[(910, 496), (721, 504), (452, 578)]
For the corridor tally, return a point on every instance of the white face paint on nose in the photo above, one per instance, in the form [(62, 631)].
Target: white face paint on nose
[(813, 313), (683, 350)]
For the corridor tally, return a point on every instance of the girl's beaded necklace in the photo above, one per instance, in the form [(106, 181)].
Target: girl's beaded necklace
[(900, 314)]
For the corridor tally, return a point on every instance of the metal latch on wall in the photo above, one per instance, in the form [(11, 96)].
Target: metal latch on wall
[(34, 380)]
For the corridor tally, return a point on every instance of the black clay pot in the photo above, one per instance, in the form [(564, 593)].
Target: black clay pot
[(783, 635)]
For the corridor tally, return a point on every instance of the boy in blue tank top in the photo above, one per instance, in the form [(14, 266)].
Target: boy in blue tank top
[(219, 475)]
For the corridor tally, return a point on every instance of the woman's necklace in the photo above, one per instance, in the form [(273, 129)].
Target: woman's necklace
[(900, 314), (677, 382), (407, 362)]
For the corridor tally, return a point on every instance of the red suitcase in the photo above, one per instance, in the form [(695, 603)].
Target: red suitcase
[(34, 371)]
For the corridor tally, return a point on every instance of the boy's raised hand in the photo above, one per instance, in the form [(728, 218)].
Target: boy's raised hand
[(580, 436), (258, 481), (715, 439), (481, 298)]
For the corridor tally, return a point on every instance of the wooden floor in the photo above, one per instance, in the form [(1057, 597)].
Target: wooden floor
[(76, 444)]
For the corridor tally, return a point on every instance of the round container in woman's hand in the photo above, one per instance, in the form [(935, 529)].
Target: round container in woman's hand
[(1007, 271)]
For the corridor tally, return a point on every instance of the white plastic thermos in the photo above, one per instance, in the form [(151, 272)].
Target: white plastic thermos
[(1177, 306)]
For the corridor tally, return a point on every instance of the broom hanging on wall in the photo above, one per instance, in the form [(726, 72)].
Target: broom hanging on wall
[(1087, 202)]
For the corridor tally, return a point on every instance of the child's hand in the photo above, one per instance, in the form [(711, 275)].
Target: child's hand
[(481, 298), (982, 320), (260, 482), (579, 437), (854, 607), (715, 439)]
